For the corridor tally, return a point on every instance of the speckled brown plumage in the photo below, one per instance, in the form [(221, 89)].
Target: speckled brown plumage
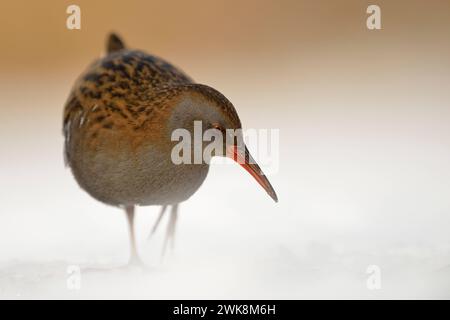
[(128, 89)]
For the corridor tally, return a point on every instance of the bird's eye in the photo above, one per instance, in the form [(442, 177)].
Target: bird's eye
[(217, 126)]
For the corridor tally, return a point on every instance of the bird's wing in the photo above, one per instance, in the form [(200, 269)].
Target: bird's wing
[(122, 87), (90, 117), (161, 72), (72, 111)]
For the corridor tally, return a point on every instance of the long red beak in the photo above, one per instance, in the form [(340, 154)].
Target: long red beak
[(248, 163)]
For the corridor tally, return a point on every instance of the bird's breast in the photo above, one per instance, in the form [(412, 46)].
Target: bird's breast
[(119, 171)]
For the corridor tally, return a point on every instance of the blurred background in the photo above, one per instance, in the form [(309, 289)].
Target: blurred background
[(363, 179)]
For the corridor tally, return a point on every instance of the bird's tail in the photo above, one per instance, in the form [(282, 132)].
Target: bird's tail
[(114, 43)]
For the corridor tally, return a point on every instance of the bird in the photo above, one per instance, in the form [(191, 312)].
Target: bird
[(117, 126)]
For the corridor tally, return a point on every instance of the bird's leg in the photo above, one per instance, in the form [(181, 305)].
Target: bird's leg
[(170, 234), (134, 257), (155, 226), (173, 222)]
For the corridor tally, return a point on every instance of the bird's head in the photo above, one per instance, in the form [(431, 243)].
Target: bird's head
[(215, 128)]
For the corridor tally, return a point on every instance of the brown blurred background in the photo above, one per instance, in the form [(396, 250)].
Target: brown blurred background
[(34, 35), (286, 52)]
